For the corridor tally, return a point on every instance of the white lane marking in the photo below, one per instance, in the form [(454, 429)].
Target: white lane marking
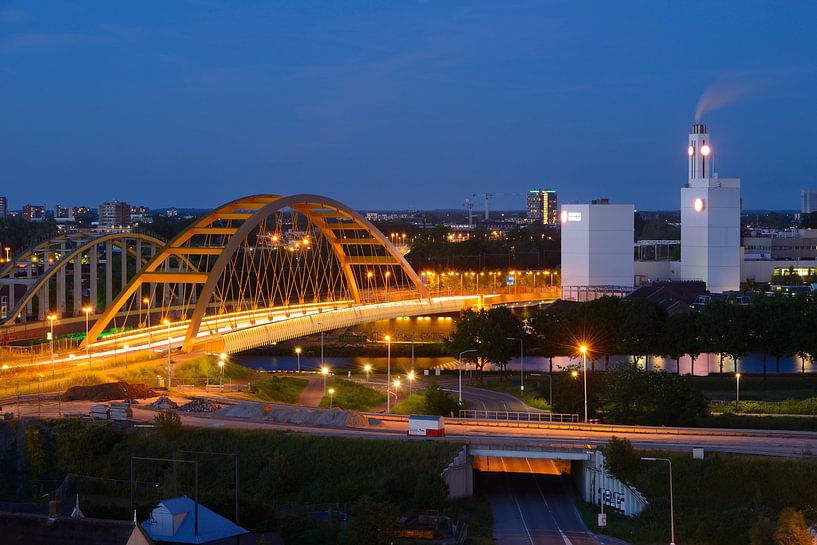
[(518, 507), (547, 506)]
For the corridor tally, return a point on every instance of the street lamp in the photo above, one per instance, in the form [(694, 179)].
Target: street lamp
[(298, 353), (737, 392), (331, 397), (521, 362), (167, 323), (388, 372), (146, 301), (410, 376), (396, 384), (325, 373), (87, 311), (222, 359), (459, 359), (583, 349), (671, 509), (368, 369), (51, 318)]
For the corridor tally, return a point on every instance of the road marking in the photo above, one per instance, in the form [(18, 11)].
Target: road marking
[(547, 506), (519, 508)]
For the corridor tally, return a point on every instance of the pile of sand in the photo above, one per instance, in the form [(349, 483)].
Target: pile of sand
[(285, 414), (108, 392)]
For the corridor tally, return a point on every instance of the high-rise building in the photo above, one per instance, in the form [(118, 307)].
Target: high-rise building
[(114, 214), (542, 206), (4, 207), (60, 212), (33, 212), (808, 201), (710, 220)]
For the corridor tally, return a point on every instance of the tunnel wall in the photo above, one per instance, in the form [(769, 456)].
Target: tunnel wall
[(459, 475), (595, 482)]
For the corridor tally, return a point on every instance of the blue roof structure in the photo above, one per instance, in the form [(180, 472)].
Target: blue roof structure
[(174, 520)]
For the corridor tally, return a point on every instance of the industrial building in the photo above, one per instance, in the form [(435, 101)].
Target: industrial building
[(597, 246)]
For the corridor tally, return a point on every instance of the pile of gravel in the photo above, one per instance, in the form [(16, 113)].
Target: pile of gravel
[(200, 405), (163, 403)]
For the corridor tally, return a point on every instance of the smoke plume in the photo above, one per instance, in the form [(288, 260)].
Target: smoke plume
[(724, 92)]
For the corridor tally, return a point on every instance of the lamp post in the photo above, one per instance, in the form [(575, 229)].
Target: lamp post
[(331, 397), (368, 369), (459, 359), (388, 372), (410, 376), (521, 362), (583, 349), (325, 373), (51, 318), (737, 392), (146, 301), (388, 274), (671, 508), (87, 311), (298, 353), (221, 361), (126, 356), (167, 323)]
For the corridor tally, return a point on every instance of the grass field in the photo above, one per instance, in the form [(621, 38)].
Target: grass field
[(531, 397), (351, 395), (278, 389)]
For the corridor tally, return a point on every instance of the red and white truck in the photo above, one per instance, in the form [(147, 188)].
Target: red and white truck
[(426, 426)]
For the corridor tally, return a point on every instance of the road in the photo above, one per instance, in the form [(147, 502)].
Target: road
[(530, 509)]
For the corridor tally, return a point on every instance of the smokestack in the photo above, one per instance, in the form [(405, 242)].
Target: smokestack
[(700, 153)]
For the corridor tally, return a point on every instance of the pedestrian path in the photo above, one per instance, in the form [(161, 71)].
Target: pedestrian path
[(313, 393)]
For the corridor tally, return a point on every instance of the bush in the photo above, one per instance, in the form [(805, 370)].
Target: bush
[(762, 533), (792, 528), (353, 396), (621, 458), (168, 423)]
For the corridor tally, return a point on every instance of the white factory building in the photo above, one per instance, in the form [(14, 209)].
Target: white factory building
[(597, 245)]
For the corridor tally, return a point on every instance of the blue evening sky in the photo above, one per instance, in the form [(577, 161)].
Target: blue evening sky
[(392, 104)]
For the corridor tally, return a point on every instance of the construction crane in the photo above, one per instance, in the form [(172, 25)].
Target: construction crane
[(469, 202)]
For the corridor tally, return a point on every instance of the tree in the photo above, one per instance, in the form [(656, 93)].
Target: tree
[(549, 333), (438, 401), (485, 332), (640, 324), (792, 528), (621, 459), (597, 323), (675, 335)]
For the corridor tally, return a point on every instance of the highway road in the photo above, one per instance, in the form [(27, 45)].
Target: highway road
[(531, 509)]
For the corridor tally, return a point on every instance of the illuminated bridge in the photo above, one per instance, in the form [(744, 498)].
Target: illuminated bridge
[(263, 269)]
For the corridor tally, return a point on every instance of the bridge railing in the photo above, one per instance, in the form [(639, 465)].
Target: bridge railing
[(511, 416)]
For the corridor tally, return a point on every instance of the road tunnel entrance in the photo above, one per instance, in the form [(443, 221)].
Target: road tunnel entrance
[(539, 466)]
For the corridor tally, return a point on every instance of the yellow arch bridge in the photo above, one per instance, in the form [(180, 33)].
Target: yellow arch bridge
[(264, 269)]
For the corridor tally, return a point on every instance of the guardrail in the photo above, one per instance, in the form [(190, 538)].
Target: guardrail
[(510, 416)]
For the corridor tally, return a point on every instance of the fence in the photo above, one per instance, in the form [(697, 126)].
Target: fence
[(510, 416)]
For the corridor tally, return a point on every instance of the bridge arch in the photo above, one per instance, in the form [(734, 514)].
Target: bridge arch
[(267, 251), (49, 259)]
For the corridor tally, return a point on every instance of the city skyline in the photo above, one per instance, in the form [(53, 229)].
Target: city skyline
[(439, 101)]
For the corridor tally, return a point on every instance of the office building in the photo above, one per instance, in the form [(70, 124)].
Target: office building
[(542, 206), (808, 201), (4, 207), (597, 245), (114, 214), (61, 212), (33, 212)]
